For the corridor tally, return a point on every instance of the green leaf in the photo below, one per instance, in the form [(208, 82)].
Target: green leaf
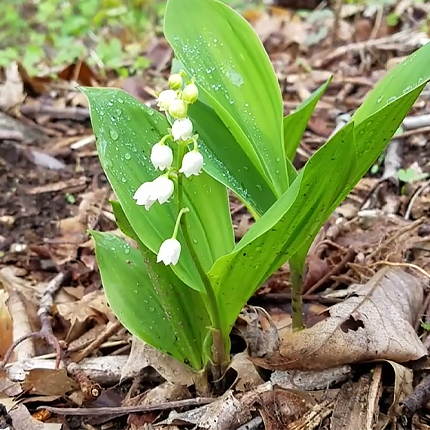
[(221, 153), (126, 130), (233, 71), (376, 125), (409, 75), (410, 175), (150, 301), (295, 123), (295, 218), (373, 133)]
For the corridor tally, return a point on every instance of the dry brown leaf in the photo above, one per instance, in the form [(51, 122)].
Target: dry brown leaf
[(166, 392), (12, 91), (9, 388), (143, 355), (374, 324), (22, 420), (6, 324), (403, 387), (247, 375), (92, 307), (279, 408), (81, 73), (48, 382), (224, 414)]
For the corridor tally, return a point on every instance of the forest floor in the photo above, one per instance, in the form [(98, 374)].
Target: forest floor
[(53, 190)]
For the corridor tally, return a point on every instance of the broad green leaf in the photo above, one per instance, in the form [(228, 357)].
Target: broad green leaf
[(409, 75), (286, 226), (373, 133), (371, 137), (384, 109), (221, 50), (150, 301), (222, 153), (126, 130), (295, 123), (226, 161)]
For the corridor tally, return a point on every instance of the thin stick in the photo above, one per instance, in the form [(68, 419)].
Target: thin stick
[(109, 331), (124, 410), (43, 313)]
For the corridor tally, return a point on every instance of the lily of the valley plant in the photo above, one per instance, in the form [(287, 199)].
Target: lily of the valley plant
[(219, 126)]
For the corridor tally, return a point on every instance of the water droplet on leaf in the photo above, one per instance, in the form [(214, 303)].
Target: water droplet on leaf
[(113, 134)]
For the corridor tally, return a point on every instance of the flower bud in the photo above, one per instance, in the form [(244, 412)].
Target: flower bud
[(178, 109), (175, 81), (182, 129), (192, 164), (165, 99), (190, 94)]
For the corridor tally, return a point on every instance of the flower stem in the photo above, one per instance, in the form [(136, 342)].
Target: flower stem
[(220, 356), (178, 222), (297, 268)]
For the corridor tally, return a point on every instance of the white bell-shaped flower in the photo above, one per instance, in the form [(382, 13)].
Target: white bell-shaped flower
[(148, 193), (143, 195), (169, 252), (165, 99), (192, 163), (162, 189), (161, 156), (182, 129)]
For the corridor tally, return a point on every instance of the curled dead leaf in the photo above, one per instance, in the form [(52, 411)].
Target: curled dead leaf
[(247, 375), (374, 324), (143, 355)]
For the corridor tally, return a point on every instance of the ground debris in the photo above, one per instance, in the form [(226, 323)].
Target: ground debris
[(376, 323)]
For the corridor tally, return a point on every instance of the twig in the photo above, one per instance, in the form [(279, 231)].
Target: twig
[(124, 410), (414, 131), (90, 389), (103, 370), (336, 22), (417, 121), (378, 22), (335, 270), (252, 425), (11, 135), (21, 325), (417, 193), (403, 36), (393, 159), (396, 236), (43, 313), (285, 297), (419, 397), (408, 265), (73, 113), (421, 312), (110, 330)]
